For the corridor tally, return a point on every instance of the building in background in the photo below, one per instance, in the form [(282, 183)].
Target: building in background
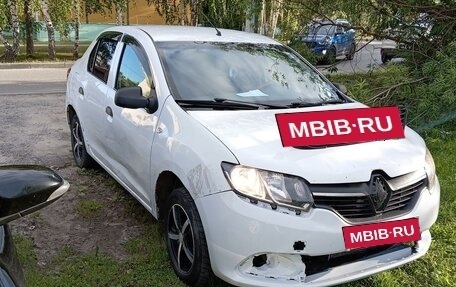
[(137, 12)]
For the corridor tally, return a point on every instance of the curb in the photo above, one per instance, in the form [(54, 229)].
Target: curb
[(35, 65)]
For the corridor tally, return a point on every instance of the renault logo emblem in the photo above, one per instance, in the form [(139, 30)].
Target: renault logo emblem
[(379, 193)]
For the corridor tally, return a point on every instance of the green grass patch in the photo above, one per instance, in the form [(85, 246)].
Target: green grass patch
[(148, 265), (64, 52), (88, 208)]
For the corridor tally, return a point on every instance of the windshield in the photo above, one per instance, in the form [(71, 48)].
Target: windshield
[(257, 73), (323, 30)]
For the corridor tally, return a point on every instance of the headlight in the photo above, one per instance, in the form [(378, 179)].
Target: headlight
[(429, 166), (276, 188)]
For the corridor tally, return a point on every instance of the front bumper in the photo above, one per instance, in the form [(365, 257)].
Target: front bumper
[(320, 50), (237, 230)]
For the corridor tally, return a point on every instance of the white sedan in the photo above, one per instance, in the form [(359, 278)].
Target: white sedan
[(184, 118)]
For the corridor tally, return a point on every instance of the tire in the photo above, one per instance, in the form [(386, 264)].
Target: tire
[(385, 58), (80, 155), (351, 54), (331, 56), (185, 240)]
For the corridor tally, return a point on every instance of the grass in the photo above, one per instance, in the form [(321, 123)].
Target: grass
[(64, 52), (147, 266), (88, 208)]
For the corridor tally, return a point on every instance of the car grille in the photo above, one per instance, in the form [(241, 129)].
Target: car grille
[(401, 198), (362, 206)]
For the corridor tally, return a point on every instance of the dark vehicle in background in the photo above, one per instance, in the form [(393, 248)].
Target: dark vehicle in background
[(23, 190), (409, 33), (330, 39)]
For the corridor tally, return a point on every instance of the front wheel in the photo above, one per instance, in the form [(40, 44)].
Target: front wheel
[(185, 239), (385, 58), (330, 57)]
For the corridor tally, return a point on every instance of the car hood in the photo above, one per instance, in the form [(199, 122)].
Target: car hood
[(314, 38), (253, 137)]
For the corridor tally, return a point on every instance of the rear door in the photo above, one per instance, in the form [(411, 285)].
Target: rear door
[(93, 87)]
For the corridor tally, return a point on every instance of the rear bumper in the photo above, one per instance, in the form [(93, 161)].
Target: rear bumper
[(237, 231)]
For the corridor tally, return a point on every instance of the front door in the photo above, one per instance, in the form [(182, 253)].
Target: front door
[(133, 130)]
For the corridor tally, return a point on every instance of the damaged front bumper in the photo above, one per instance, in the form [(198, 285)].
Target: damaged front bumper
[(253, 245)]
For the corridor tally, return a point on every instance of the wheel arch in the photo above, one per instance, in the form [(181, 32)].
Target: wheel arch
[(167, 181), (70, 113)]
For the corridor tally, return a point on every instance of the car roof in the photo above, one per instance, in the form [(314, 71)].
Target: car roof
[(328, 22), (162, 33)]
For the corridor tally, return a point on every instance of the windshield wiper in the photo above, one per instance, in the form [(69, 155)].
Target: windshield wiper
[(315, 104), (222, 103), (259, 105)]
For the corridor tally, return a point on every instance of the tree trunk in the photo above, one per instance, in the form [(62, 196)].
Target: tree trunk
[(182, 12), (76, 29), (275, 11), (194, 12), (120, 13), (49, 28), (11, 50), (86, 12), (128, 12), (28, 28), (8, 57), (262, 24)]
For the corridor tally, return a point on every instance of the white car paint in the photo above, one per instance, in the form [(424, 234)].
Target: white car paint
[(135, 147)]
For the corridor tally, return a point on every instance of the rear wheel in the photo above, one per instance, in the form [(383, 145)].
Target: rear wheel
[(185, 239), (80, 154), (351, 54)]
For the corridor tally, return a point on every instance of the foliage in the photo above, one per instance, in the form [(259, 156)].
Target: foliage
[(430, 99), (304, 51), (229, 14), (60, 12)]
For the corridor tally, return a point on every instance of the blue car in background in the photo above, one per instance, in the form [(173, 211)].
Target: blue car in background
[(330, 39)]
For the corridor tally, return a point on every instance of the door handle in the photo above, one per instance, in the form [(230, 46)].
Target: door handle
[(108, 111), (81, 91)]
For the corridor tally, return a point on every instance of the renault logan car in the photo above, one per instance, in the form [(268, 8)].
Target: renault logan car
[(184, 119)]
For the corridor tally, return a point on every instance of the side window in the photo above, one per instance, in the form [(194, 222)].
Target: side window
[(340, 29), (134, 68), (101, 56)]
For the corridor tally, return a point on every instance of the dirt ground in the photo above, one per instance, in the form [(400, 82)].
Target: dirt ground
[(34, 131)]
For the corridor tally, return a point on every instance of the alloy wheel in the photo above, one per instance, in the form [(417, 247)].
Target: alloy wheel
[(181, 238), (78, 142)]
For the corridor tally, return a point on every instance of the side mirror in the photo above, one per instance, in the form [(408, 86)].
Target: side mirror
[(341, 87), (25, 189), (132, 98)]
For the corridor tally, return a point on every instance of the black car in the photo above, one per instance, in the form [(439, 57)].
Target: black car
[(23, 190)]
